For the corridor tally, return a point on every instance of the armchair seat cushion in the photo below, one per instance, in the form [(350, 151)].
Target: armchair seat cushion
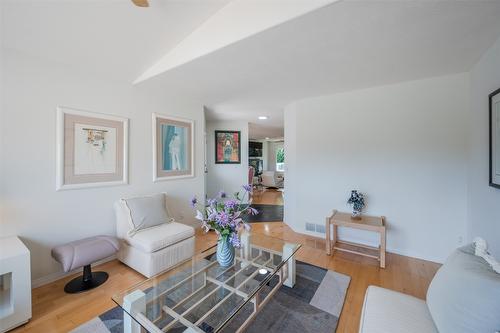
[(156, 238), (387, 311)]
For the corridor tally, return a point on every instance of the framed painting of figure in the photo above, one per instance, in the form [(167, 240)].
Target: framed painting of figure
[(495, 139), (227, 147), (92, 149), (173, 140)]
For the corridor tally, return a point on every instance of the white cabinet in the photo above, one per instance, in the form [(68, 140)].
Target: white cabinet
[(15, 283)]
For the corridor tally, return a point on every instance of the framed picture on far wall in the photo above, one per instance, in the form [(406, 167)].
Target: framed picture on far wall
[(227, 147), (92, 149), (495, 139), (173, 140)]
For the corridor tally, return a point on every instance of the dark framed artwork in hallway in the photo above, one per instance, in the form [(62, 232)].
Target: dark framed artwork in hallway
[(227, 147)]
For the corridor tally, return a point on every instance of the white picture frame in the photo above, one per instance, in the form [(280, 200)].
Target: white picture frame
[(494, 134), (68, 121), (159, 172)]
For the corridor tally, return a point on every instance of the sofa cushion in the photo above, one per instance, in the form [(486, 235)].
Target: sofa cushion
[(387, 311), (158, 237), (147, 212), (464, 295)]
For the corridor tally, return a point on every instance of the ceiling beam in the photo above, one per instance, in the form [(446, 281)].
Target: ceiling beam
[(238, 20)]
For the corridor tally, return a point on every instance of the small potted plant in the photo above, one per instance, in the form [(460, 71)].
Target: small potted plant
[(225, 216), (357, 201)]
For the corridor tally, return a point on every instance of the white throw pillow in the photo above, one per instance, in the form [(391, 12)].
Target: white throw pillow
[(147, 212), (481, 250)]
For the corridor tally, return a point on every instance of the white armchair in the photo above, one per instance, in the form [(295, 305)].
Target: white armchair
[(151, 241), (270, 179)]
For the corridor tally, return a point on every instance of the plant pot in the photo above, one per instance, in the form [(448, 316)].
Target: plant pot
[(356, 215), (225, 252)]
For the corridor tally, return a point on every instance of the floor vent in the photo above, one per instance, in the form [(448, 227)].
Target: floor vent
[(320, 228), (315, 227)]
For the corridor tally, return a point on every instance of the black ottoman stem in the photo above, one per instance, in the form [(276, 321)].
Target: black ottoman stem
[(87, 273), (89, 280)]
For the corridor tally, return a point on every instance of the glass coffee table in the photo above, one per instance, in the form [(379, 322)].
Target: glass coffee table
[(199, 295)]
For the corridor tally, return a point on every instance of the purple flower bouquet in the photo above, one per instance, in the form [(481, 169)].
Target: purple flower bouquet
[(225, 216)]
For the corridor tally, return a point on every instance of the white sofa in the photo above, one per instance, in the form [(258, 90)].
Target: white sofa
[(463, 297), (151, 241), (387, 311)]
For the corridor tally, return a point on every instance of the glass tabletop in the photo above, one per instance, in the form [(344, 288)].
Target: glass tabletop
[(199, 295)]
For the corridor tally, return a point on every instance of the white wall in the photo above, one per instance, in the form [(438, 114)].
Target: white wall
[(403, 145), (31, 208), (2, 117), (265, 152), (483, 201), (226, 177), (271, 157)]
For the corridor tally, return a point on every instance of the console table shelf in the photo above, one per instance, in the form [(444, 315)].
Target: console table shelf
[(15, 283), (369, 223)]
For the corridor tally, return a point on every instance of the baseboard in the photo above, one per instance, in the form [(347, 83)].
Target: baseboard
[(365, 242), (410, 254), (59, 275)]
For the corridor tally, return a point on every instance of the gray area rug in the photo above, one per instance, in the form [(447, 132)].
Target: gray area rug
[(314, 305), (267, 213)]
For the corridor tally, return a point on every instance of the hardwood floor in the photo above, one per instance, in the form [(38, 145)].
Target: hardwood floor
[(268, 197), (55, 311)]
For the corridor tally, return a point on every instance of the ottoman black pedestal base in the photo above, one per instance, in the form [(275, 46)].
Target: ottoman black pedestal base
[(89, 280)]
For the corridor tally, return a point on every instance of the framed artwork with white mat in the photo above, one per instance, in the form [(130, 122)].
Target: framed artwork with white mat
[(92, 149), (173, 147)]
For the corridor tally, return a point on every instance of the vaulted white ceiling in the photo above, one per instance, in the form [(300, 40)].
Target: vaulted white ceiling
[(340, 46), (238, 20), (110, 37)]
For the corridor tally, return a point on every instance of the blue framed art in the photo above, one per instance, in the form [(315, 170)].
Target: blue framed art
[(172, 148)]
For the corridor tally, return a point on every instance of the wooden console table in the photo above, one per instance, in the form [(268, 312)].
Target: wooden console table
[(370, 223)]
